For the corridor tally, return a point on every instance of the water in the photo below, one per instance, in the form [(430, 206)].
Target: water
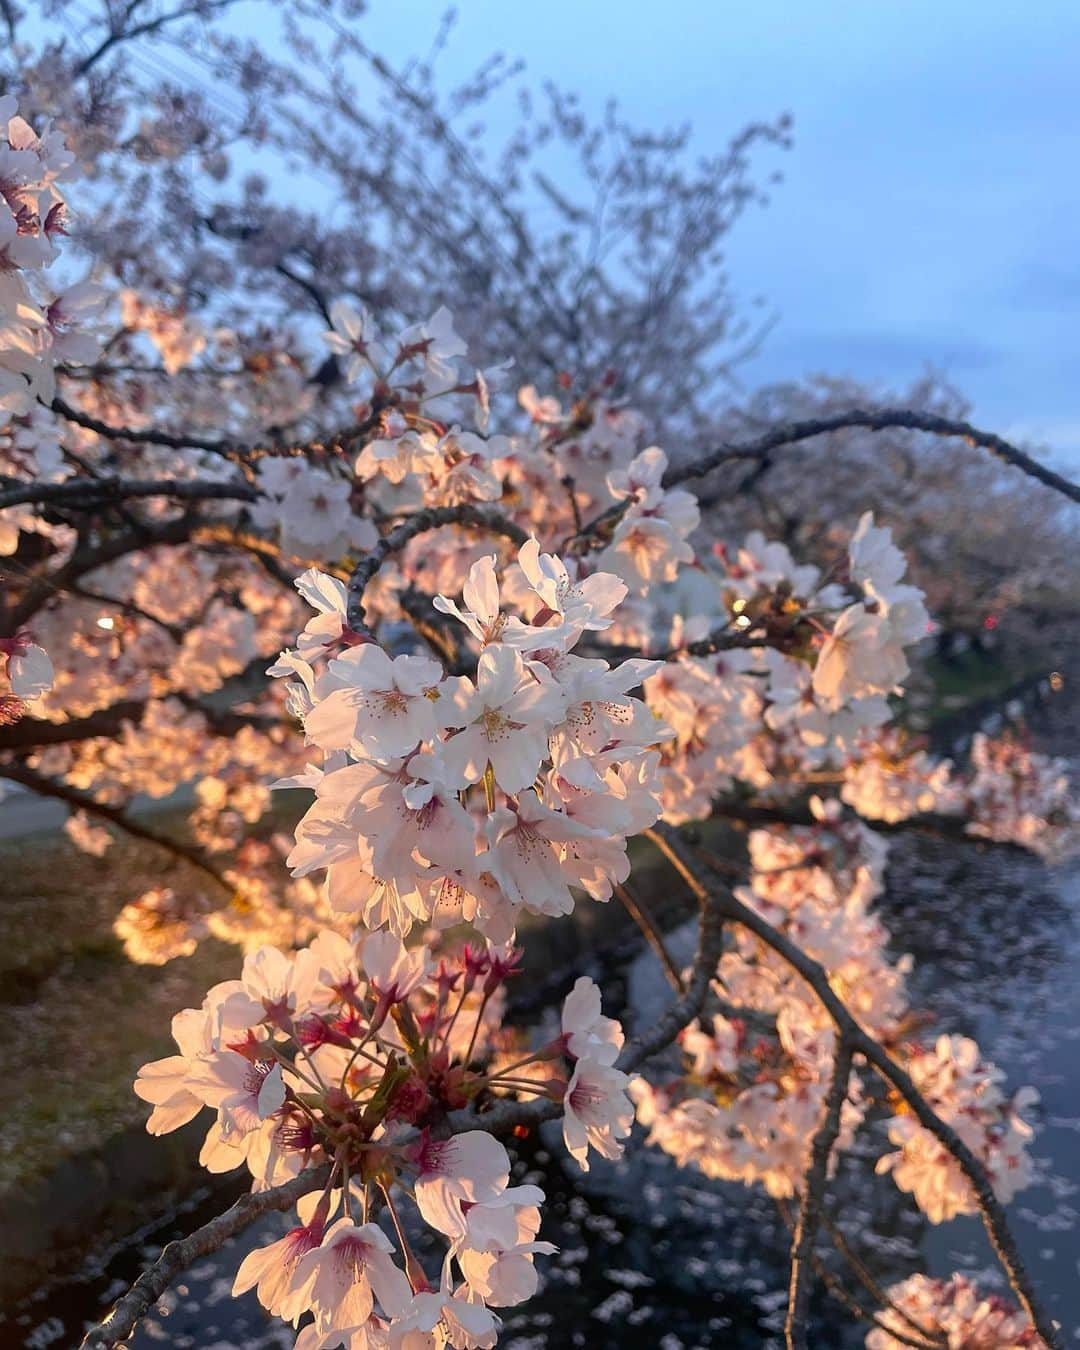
[(651, 1256)]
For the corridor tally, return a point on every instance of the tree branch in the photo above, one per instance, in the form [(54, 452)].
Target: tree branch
[(871, 1285), (31, 733), (115, 36), (179, 1255), (815, 975), (879, 419), (85, 801), (812, 1199), (148, 435), (420, 522), (924, 1341), (652, 934), (761, 814), (85, 494)]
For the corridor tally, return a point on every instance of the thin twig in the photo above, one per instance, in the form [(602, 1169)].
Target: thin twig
[(652, 934), (871, 1285), (849, 1301)]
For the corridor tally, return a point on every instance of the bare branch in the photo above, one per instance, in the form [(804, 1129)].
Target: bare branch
[(879, 419), (871, 1285), (116, 35), (653, 935), (924, 1341), (86, 494), (145, 435)]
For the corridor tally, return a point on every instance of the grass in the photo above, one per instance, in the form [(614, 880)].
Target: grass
[(78, 1017), (943, 688)]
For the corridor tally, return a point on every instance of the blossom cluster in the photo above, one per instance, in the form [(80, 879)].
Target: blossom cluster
[(352, 1056), (755, 1074), (29, 674), (1018, 795), (891, 778), (443, 798), (802, 694), (954, 1312), (38, 327), (481, 743), (1008, 792), (964, 1091)]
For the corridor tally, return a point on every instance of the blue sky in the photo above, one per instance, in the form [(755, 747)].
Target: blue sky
[(929, 211)]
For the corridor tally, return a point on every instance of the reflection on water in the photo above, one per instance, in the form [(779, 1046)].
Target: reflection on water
[(651, 1256)]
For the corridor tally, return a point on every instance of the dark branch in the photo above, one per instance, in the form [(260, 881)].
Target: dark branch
[(880, 419), (652, 934), (760, 814), (91, 493), (146, 435), (178, 1256), (431, 518), (85, 801), (858, 1041), (812, 1199), (30, 733), (146, 29)]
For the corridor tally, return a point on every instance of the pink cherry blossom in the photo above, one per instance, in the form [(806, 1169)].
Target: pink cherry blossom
[(504, 720), (589, 1035), (382, 705), (472, 1167), (596, 1111)]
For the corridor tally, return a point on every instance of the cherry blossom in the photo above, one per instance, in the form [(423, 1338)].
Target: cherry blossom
[(471, 1167), (597, 1113), (383, 705), (503, 720), (589, 1035), (351, 337)]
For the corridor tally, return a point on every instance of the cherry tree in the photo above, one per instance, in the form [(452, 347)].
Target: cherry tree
[(493, 632)]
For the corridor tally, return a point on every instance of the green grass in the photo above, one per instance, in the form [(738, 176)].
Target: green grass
[(971, 677)]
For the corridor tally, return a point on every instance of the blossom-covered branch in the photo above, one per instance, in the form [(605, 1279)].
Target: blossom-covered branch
[(851, 1034)]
